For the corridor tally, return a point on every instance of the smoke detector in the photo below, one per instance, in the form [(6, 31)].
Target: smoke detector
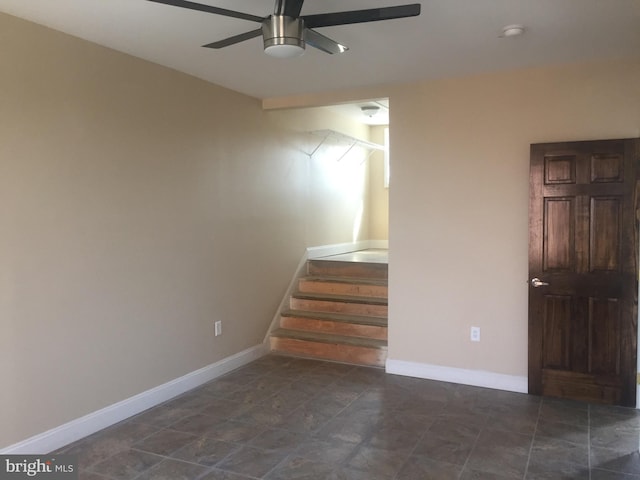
[(512, 31)]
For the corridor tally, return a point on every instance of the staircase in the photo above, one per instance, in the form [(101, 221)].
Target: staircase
[(338, 312)]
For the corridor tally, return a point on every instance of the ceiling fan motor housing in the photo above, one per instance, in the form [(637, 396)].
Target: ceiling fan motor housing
[(280, 30)]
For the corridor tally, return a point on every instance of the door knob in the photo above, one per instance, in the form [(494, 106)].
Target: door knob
[(536, 283)]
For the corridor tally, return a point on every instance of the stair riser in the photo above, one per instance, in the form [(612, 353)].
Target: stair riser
[(337, 328), (330, 351), (338, 307), (347, 269), (336, 288)]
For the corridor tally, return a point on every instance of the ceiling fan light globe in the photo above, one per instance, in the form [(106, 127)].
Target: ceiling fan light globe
[(282, 50)]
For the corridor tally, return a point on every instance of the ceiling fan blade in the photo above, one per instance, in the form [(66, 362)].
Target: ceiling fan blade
[(319, 41), (235, 39), (361, 16), (209, 9), (288, 8)]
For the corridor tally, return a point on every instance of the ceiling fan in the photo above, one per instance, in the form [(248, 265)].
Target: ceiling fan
[(286, 32)]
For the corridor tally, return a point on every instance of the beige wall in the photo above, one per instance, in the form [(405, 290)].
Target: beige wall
[(459, 200), (378, 193), (138, 206)]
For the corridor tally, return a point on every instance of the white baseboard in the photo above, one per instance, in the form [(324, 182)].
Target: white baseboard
[(477, 378), (81, 427), (336, 249)]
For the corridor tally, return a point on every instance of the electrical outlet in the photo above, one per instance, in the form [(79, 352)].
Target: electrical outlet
[(475, 334), (218, 327)]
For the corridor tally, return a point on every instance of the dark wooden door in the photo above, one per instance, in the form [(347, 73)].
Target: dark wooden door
[(583, 244)]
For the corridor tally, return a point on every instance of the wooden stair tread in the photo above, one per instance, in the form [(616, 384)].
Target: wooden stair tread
[(329, 338), (338, 313), (337, 317), (347, 269), (330, 297)]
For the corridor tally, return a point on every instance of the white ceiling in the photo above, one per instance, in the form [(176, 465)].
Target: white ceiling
[(450, 38)]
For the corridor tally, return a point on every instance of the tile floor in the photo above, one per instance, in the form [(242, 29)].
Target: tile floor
[(281, 418)]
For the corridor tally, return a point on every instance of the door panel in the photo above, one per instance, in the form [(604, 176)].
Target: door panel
[(604, 334), (559, 234), (604, 248), (583, 248)]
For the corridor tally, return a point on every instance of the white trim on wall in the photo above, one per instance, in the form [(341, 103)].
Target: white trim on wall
[(339, 248), (336, 249), (477, 378), (105, 417)]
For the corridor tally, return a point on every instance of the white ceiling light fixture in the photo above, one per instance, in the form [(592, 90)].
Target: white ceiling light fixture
[(370, 110), (512, 31)]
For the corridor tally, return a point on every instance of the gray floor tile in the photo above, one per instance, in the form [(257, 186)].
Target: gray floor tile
[(524, 422), (164, 442), (253, 462), (616, 436), (549, 451), (309, 418), (108, 442), (375, 460), (396, 438), (224, 409), (501, 453), (85, 475), (347, 473), (236, 432), (421, 467), (471, 474), (563, 431), (616, 460), (287, 418), (563, 411), (448, 441), (195, 400), (197, 424), (583, 474), (272, 439), (597, 474), (216, 474), (170, 469), (335, 452), (347, 429), (126, 464), (162, 416), (300, 468), (205, 451)]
